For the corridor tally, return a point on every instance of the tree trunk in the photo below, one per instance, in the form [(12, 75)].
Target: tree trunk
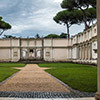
[(84, 18), (2, 32), (68, 31), (85, 23)]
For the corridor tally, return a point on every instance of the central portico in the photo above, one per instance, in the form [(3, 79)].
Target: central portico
[(31, 54)]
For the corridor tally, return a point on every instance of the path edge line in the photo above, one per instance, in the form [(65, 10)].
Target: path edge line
[(1, 83), (68, 87)]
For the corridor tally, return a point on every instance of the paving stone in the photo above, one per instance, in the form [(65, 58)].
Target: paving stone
[(42, 95)]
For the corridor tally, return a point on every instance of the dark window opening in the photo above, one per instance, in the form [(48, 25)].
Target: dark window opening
[(95, 50), (31, 50)]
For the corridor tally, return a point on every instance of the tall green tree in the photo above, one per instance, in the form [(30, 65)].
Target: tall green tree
[(52, 36), (93, 3), (68, 18), (63, 35), (8, 36), (91, 15), (83, 5), (4, 26), (37, 36)]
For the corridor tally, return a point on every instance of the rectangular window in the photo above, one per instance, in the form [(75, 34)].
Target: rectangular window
[(95, 30), (15, 54), (47, 53)]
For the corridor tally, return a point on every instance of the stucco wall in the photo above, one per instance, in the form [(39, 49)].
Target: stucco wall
[(75, 53), (94, 47), (31, 43), (39, 43), (5, 54), (48, 54), (15, 42), (5, 42), (53, 49), (15, 52), (59, 42), (47, 42), (24, 43), (60, 54)]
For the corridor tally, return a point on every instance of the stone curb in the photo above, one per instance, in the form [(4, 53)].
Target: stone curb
[(1, 83)]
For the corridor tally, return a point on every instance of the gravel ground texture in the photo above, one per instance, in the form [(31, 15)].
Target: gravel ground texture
[(33, 78)]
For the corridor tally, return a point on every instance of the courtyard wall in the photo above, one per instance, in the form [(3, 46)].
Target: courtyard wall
[(81, 48)]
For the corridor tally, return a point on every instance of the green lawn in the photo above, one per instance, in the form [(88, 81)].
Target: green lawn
[(78, 76), (6, 69)]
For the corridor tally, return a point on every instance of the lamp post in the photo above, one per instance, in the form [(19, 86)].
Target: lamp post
[(98, 41)]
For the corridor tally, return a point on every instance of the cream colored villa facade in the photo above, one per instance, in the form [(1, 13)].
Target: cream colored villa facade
[(80, 48)]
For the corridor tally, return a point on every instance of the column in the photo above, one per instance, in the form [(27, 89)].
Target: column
[(35, 47), (89, 52), (42, 55), (10, 49), (20, 48), (52, 49), (84, 52), (98, 40), (80, 53)]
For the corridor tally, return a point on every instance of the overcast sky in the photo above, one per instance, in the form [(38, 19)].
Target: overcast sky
[(29, 17)]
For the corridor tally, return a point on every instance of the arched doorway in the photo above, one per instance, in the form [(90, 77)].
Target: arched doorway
[(31, 53), (38, 54)]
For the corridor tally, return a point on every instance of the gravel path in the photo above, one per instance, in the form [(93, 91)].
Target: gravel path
[(33, 78)]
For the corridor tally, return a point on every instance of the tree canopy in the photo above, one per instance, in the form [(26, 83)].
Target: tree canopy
[(4, 26), (83, 5), (8, 36), (62, 35), (91, 15), (37, 36), (52, 36), (68, 18), (78, 4)]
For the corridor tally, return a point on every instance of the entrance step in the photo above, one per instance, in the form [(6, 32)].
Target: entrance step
[(32, 61)]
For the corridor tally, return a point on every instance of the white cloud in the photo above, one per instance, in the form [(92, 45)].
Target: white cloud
[(34, 16), (58, 1)]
